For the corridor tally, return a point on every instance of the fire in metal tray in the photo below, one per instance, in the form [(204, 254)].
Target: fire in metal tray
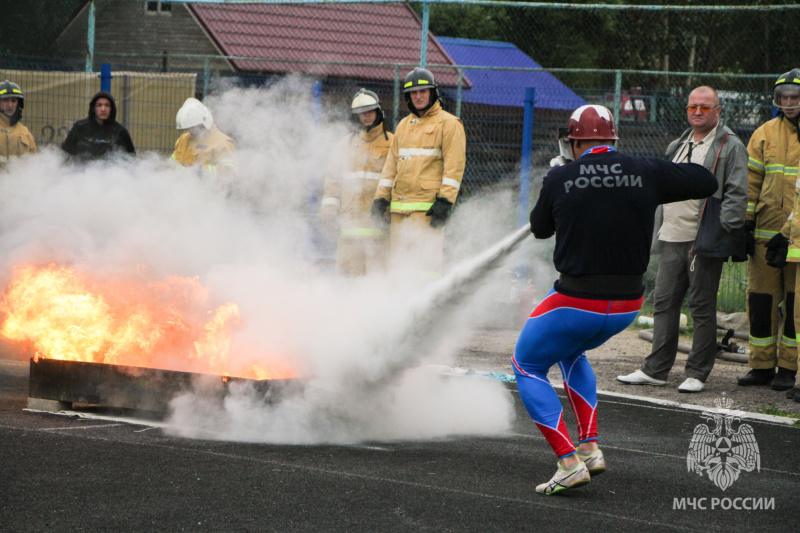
[(56, 385), (59, 313)]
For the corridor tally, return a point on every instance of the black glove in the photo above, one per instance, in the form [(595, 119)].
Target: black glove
[(750, 237), (777, 249), (378, 213), (439, 212)]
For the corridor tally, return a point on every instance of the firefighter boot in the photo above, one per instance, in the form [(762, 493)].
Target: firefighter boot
[(757, 376), (784, 379)]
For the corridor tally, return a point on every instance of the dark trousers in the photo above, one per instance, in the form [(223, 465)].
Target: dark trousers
[(675, 276)]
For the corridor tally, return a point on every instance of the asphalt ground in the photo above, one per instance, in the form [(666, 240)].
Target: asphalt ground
[(62, 474)]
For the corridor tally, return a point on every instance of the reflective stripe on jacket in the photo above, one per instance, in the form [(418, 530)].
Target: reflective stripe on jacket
[(791, 228), (774, 153), (426, 160), (351, 180)]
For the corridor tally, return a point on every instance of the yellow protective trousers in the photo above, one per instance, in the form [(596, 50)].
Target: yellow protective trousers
[(362, 255), (415, 247), (770, 298)]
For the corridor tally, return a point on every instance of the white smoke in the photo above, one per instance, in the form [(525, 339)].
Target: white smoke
[(250, 241)]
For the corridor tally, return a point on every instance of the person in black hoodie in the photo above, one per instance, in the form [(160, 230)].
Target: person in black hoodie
[(99, 134)]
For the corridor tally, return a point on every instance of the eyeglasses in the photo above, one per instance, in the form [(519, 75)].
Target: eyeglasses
[(703, 109)]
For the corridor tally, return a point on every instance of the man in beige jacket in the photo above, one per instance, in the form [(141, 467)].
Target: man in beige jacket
[(421, 178), (15, 139), (774, 151), (350, 183), (202, 144)]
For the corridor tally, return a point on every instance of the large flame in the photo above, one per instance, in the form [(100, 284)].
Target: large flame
[(64, 315)]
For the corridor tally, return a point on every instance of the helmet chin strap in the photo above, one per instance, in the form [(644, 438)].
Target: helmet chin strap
[(378, 120), (793, 120), (419, 112), (14, 117)]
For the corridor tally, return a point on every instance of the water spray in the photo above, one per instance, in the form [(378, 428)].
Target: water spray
[(406, 346), (359, 397)]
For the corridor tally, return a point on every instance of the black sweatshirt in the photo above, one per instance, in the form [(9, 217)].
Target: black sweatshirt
[(601, 208), (90, 140)]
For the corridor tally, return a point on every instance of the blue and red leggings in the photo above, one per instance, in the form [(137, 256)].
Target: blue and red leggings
[(560, 330)]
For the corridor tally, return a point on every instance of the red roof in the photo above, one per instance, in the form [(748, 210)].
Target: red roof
[(363, 33)]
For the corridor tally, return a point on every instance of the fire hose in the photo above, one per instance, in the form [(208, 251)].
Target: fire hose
[(436, 305), (727, 350)]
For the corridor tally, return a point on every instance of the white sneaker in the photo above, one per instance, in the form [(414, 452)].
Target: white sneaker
[(566, 479), (594, 461), (691, 385), (640, 378)]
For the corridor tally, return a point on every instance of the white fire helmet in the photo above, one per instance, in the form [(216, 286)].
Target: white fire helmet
[(193, 113), (364, 101)]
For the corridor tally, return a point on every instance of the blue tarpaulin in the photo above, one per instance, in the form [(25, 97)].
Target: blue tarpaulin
[(503, 87)]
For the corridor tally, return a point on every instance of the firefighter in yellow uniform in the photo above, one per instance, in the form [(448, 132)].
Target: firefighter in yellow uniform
[(350, 184), (774, 151), (203, 144), (15, 139), (421, 178), (792, 229)]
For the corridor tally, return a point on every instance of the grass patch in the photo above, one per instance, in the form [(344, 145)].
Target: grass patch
[(731, 295), (775, 411)]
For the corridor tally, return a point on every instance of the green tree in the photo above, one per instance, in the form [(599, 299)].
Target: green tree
[(30, 27), (486, 23)]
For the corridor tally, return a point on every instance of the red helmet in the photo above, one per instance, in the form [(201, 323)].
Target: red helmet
[(592, 122)]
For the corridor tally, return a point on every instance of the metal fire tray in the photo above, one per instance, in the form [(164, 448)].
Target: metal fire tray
[(55, 385)]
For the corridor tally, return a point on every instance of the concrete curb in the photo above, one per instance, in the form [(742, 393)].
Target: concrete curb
[(785, 420), (508, 378)]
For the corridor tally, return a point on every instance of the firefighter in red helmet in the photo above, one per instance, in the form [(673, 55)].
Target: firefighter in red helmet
[(601, 207)]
